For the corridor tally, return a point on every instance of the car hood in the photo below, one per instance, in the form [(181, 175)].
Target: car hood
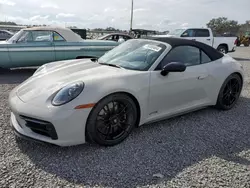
[(53, 76)]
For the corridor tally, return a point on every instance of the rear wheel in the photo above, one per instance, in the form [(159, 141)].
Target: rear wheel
[(111, 120), (229, 93), (247, 44), (223, 49)]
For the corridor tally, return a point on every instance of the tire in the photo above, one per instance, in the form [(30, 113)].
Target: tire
[(223, 49), (246, 44), (116, 113), (224, 94)]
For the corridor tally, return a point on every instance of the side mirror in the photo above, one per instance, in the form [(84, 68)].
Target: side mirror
[(173, 67)]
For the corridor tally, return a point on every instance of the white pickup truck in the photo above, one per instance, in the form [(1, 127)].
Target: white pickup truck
[(205, 35)]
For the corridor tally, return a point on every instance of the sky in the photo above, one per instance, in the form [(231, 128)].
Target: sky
[(148, 14)]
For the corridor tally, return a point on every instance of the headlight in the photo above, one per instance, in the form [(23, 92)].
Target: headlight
[(68, 93)]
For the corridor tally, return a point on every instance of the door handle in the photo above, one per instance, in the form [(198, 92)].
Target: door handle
[(201, 77), (208, 39)]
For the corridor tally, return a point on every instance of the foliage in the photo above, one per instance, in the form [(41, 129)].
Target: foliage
[(245, 28), (222, 25), (7, 23)]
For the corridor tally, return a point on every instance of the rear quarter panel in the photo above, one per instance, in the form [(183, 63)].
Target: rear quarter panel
[(229, 41), (218, 72)]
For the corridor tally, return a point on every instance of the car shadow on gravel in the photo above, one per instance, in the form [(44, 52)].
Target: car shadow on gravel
[(15, 76), (166, 147)]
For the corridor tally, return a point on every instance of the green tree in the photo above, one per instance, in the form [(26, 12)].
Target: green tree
[(223, 25), (7, 23), (245, 28)]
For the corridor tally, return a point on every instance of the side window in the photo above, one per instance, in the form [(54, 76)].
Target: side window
[(188, 33), (187, 55), (205, 58), (35, 36), (201, 33), (57, 37), (41, 36), (26, 37)]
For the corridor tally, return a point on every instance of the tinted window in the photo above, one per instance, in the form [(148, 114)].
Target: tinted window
[(188, 33), (201, 33), (188, 55), (205, 58)]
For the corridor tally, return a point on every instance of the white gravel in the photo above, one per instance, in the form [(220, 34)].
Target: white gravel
[(208, 148)]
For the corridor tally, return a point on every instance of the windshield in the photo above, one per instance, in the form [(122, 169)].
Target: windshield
[(15, 37), (134, 54), (177, 32)]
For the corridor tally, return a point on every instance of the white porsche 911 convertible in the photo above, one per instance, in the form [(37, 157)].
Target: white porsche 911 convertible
[(142, 80)]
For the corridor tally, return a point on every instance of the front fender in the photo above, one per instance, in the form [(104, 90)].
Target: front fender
[(97, 90)]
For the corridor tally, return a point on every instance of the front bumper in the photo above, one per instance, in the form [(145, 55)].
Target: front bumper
[(66, 127)]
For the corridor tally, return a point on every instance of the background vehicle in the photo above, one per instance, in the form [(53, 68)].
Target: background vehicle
[(138, 82), (37, 46), (4, 34), (117, 37), (205, 35), (243, 39)]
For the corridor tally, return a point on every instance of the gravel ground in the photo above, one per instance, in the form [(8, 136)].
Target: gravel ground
[(208, 148)]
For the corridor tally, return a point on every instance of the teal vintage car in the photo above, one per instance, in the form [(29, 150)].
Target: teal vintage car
[(40, 45)]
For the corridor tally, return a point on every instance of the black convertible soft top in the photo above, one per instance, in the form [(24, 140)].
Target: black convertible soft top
[(210, 51)]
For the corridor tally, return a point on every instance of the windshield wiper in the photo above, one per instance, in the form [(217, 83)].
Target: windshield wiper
[(112, 65)]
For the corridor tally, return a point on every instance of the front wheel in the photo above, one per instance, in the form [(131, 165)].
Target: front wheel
[(111, 120), (222, 49), (229, 92)]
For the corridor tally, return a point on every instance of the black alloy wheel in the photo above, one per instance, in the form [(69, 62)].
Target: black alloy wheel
[(112, 120), (230, 92)]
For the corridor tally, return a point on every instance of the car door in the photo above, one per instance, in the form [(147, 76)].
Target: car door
[(33, 48), (178, 91), (62, 49)]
